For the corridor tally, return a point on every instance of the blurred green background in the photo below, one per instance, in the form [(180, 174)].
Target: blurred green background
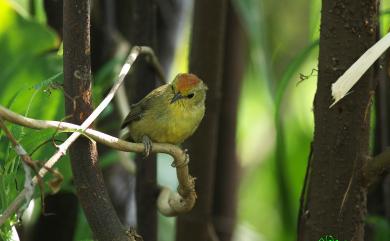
[(275, 124)]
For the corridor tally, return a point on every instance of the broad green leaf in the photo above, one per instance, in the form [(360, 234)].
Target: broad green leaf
[(30, 68)]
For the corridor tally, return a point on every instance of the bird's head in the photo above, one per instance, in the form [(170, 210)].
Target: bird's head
[(188, 88)]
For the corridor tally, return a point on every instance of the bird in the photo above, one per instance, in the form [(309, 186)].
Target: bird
[(168, 114)]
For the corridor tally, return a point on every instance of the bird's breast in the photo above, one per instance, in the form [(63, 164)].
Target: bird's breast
[(183, 124), (170, 124)]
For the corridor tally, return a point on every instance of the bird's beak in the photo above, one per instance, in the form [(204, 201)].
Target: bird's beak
[(177, 97)]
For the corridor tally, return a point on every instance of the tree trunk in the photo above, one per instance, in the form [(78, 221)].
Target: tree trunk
[(227, 166), (143, 32), (335, 197), (206, 61), (88, 178)]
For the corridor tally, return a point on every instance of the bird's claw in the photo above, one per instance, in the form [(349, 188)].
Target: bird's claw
[(148, 145)]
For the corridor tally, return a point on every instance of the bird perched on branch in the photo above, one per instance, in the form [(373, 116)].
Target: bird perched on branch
[(169, 114)]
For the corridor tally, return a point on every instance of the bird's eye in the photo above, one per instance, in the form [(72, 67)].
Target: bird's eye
[(190, 96)]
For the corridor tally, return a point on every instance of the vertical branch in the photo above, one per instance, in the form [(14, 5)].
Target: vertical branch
[(382, 132), (106, 45), (227, 166), (386, 180), (88, 178), (143, 32), (336, 196), (376, 199), (206, 60), (151, 23)]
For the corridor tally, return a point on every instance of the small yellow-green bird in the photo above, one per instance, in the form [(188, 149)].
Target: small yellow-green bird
[(169, 114)]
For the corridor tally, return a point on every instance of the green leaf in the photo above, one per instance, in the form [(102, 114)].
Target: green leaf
[(29, 70), (381, 227)]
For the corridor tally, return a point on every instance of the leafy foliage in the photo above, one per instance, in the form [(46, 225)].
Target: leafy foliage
[(29, 70), (275, 119)]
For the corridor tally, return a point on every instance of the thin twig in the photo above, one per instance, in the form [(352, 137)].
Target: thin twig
[(121, 101), (169, 202), (51, 140), (28, 164), (55, 183)]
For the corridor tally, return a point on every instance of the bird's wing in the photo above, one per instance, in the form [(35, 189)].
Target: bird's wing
[(137, 110)]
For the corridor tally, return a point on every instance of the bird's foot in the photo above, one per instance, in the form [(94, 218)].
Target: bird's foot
[(148, 145)]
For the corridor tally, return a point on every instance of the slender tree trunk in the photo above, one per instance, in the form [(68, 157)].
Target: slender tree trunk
[(105, 41), (143, 32), (382, 130), (227, 166), (335, 197), (206, 61), (386, 132), (88, 178), (378, 196), (154, 23)]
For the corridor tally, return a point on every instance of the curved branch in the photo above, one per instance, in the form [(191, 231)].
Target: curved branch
[(169, 203)]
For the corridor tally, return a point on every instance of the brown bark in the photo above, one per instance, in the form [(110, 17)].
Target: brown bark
[(335, 197), (206, 60), (88, 178), (227, 166)]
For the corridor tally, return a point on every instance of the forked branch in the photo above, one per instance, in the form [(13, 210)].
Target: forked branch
[(376, 166), (169, 203)]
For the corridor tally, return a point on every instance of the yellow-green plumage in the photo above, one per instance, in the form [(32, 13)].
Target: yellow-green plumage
[(167, 120)]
